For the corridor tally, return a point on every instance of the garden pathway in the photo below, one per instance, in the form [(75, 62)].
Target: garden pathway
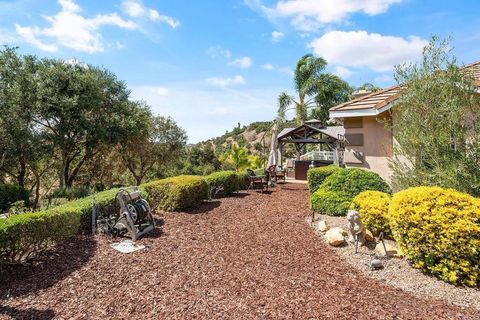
[(245, 257)]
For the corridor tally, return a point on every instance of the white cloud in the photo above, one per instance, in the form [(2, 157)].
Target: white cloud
[(70, 29), (343, 72), (243, 62), (268, 66), (363, 49), (136, 9), (277, 36), (218, 51), (385, 78), (309, 15), (226, 82)]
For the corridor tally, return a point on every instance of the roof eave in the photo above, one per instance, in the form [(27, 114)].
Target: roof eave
[(370, 112)]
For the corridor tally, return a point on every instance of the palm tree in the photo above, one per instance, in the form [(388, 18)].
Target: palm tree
[(239, 157), (308, 70), (316, 90)]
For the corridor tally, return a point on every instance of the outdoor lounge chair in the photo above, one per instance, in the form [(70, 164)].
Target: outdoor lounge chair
[(258, 182)]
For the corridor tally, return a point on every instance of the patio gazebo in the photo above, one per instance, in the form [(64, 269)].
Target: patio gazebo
[(331, 142)]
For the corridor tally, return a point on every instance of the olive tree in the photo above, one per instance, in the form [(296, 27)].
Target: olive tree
[(436, 123)]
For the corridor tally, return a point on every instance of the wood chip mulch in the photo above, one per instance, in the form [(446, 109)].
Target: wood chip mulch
[(246, 257)]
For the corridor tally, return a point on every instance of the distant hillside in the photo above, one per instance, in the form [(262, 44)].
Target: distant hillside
[(255, 137)]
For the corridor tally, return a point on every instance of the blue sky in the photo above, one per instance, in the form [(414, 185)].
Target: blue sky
[(213, 63)]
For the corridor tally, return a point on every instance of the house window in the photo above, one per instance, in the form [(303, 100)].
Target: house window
[(354, 139), (351, 123)]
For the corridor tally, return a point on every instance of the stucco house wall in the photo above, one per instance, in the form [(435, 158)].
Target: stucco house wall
[(377, 147)]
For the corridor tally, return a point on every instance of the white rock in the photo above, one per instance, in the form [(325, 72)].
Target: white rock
[(335, 236), (322, 226), (392, 251)]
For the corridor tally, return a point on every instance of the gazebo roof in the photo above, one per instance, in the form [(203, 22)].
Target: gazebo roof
[(308, 129)]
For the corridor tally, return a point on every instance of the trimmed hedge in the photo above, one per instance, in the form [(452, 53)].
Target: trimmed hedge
[(373, 209), (10, 193), (316, 176), (243, 180), (222, 182), (340, 187), (22, 235), (177, 193), (438, 230), (354, 181), (330, 203)]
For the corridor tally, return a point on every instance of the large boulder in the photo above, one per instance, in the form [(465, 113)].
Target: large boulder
[(392, 251), (335, 236)]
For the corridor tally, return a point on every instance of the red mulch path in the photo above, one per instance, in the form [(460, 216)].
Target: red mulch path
[(248, 256)]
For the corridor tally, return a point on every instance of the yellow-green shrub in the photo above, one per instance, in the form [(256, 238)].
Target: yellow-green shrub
[(439, 231), (373, 209), (176, 193)]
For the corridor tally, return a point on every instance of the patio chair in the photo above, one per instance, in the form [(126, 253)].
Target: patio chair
[(277, 173), (258, 182)]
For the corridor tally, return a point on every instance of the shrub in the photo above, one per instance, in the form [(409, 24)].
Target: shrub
[(354, 181), (316, 176), (176, 193), (71, 193), (330, 203), (439, 231), (23, 235), (243, 180), (10, 193), (226, 182), (373, 209)]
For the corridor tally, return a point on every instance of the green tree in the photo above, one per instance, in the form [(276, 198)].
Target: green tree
[(239, 157), (436, 123), (81, 107), (367, 86), (315, 89), (161, 142)]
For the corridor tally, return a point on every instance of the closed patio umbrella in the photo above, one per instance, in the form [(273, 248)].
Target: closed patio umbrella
[(272, 158)]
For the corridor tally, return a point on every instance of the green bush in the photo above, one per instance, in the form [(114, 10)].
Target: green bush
[(243, 180), (438, 230), (330, 203), (222, 182), (176, 193), (316, 176), (373, 209), (23, 235), (354, 181), (10, 193), (71, 193)]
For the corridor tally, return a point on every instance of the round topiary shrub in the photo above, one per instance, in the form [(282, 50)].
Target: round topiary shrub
[(330, 203), (373, 209), (354, 181), (10, 193), (316, 176), (439, 231)]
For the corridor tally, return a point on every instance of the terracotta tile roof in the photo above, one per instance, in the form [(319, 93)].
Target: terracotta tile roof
[(375, 100), (475, 67), (379, 99)]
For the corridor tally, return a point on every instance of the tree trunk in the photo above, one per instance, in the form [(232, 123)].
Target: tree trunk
[(22, 173)]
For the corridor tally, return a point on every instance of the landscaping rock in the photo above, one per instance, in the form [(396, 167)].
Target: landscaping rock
[(392, 251), (335, 236), (322, 226)]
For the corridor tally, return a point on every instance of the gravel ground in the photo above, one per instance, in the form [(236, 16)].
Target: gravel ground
[(399, 273), (245, 257)]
